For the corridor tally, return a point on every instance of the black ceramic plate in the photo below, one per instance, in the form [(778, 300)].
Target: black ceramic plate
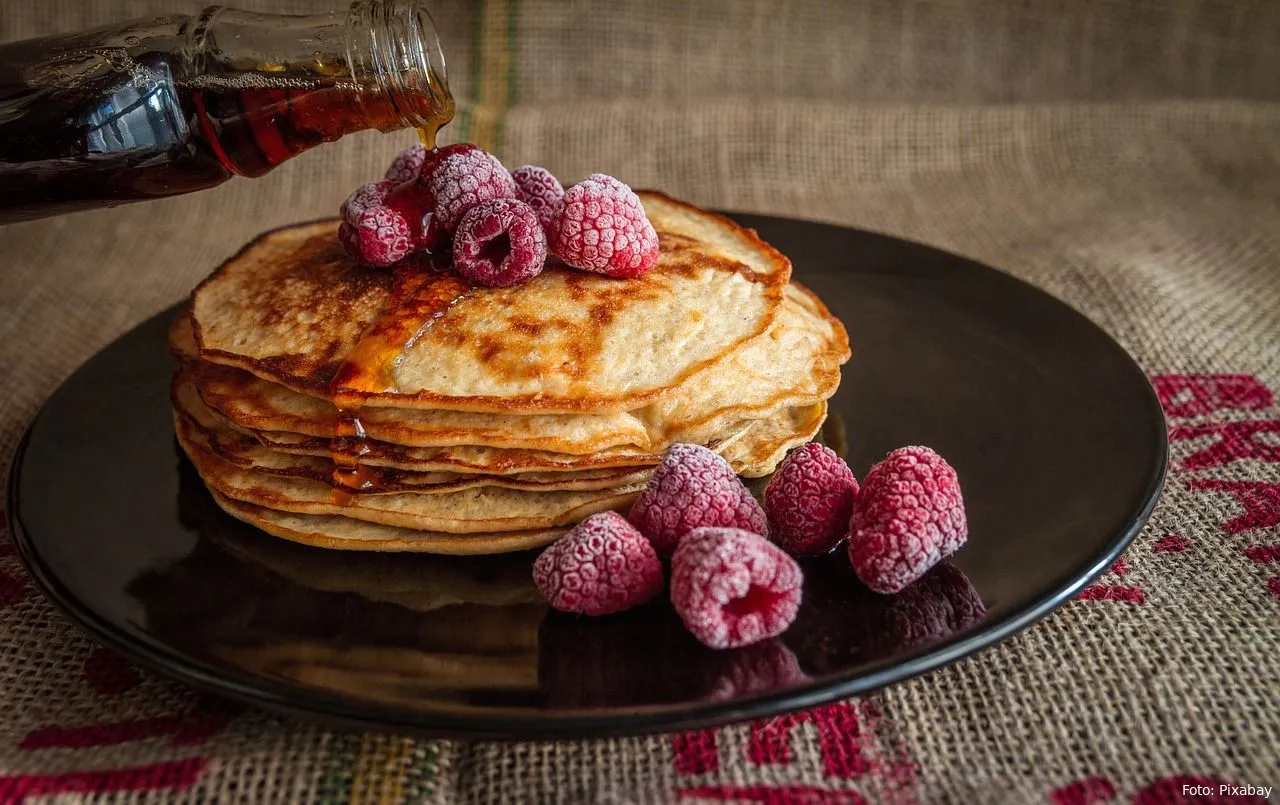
[(1055, 432)]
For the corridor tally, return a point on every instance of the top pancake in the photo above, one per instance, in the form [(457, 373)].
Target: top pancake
[(796, 362), (294, 309)]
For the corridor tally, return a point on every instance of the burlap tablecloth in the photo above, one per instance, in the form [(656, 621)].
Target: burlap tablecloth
[(1124, 156)]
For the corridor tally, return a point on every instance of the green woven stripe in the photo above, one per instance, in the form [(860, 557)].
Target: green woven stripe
[(335, 784), (424, 769)]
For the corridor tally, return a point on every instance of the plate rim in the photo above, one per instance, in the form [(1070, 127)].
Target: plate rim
[(506, 724)]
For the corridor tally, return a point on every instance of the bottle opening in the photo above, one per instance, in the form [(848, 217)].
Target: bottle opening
[(393, 49)]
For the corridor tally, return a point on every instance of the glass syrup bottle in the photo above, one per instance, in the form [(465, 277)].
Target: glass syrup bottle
[(173, 104)]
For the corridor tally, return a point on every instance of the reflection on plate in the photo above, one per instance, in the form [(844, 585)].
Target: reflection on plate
[(398, 628), (405, 629)]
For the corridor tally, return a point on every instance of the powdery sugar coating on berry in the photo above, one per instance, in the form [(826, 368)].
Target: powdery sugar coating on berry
[(809, 500), (733, 588), (540, 190), (499, 243), (434, 236), (435, 156), (601, 565), (364, 198), (693, 487), (908, 516), (464, 179), (603, 227), (407, 165), (379, 238)]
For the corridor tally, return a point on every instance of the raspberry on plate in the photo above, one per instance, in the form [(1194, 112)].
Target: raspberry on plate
[(733, 588), (809, 500), (465, 178), (908, 516), (499, 243), (601, 565), (693, 487), (602, 227), (540, 190)]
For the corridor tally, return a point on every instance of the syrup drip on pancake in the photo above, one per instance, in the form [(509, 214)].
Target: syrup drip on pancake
[(422, 292), (418, 298)]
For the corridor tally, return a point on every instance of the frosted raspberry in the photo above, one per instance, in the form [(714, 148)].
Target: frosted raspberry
[(602, 227), (732, 587), (693, 487), (541, 191), (407, 165), (412, 203), (602, 565), (378, 238), (432, 159), (464, 179), (499, 243), (402, 207), (908, 516), (809, 500), (364, 198), (434, 236)]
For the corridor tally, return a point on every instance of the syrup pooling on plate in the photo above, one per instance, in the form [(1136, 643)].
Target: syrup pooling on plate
[(422, 292)]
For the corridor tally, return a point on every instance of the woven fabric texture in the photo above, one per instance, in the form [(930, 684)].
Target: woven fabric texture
[(1123, 156)]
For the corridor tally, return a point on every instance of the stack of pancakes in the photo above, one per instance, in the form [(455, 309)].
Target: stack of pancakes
[(373, 409)]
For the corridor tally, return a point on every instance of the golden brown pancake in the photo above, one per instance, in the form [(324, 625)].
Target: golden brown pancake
[(759, 452), (254, 403), (247, 452), (293, 308), (797, 362), (480, 510), (346, 534)]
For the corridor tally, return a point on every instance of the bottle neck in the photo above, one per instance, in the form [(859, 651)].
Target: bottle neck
[(267, 87), (394, 53)]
